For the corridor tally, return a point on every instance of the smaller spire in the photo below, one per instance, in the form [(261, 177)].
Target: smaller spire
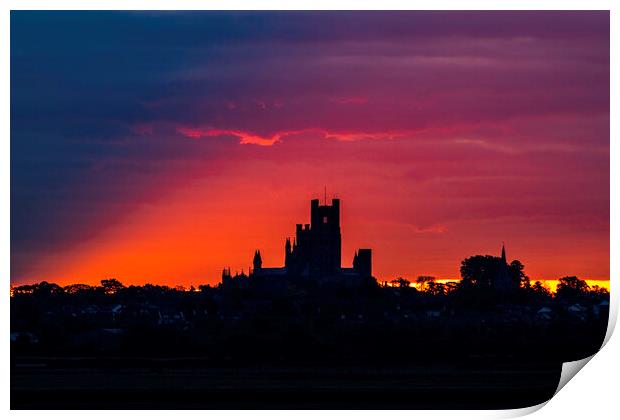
[(258, 261), (503, 252)]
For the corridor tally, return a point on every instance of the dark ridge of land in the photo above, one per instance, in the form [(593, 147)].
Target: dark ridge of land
[(293, 348), (171, 384)]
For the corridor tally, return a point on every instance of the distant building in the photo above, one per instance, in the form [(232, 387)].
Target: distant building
[(503, 282), (313, 256)]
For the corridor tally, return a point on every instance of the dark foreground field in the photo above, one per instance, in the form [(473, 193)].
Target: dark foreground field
[(189, 384), (356, 348)]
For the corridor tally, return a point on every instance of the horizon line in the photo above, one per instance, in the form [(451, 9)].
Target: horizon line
[(441, 279)]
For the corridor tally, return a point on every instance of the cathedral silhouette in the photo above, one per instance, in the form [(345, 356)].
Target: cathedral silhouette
[(313, 258)]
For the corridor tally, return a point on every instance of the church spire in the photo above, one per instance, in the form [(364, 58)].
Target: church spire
[(258, 261), (503, 253)]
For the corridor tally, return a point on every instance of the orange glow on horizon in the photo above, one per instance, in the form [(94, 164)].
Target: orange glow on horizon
[(551, 284), (216, 217), (194, 165)]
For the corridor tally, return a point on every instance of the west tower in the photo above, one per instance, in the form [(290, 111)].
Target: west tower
[(325, 238)]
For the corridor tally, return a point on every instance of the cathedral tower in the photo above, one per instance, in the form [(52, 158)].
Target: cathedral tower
[(325, 238)]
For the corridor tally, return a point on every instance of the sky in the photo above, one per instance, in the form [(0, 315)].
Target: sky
[(162, 146)]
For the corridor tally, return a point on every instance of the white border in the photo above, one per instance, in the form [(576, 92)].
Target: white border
[(592, 393), (310, 5)]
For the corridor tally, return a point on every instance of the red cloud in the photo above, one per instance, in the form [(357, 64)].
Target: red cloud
[(246, 137)]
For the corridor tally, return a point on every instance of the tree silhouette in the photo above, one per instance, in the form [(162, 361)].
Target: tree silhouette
[(483, 271), (422, 280), (111, 286), (480, 271), (540, 290), (435, 289), (571, 287), (400, 282), (519, 278), (44, 288), (599, 292), (73, 289)]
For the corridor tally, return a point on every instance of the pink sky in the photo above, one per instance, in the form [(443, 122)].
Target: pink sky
[(443, 135)]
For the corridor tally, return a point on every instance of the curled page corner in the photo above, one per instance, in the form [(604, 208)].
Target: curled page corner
[(611, 321), (569, 370), (521, 412)]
